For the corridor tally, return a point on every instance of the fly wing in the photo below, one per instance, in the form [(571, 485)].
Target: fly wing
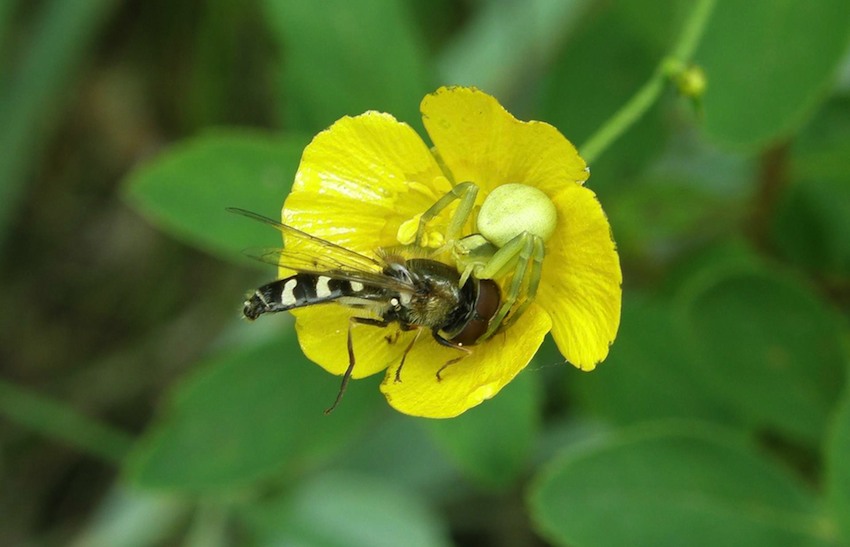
[(309, 254)]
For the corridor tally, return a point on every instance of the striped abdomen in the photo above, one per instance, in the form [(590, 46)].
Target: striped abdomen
[(302, 290)]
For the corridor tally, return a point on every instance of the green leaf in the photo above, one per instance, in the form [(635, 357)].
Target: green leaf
[(653, 220), (714, 259), (209, 526), (812, 223), (343, 57), (768, 347), (32, 96), (671, 484), (185, 191), (769, 63), (597, 71), (504, 42), (401, 451), (130, 516), (838, 468), (492, 442), (224, 77), (649, 372), (820, 150), (659, 33), (8, 10), (246, 415), (347, 510), (60, 422)]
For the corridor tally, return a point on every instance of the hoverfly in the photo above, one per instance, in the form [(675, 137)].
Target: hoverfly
[(415, 293)]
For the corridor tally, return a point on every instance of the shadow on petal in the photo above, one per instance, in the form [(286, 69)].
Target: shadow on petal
[(467, 383), (323, 335)]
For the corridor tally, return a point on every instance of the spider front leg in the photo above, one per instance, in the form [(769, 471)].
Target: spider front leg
[(466, 192), (533, 280), (517, 254)]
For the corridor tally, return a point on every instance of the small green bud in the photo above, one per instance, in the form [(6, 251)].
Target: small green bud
[(692, 82)]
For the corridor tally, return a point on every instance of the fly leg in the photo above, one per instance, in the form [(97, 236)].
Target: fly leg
[(347, 376), (404, 355), (443, 342)]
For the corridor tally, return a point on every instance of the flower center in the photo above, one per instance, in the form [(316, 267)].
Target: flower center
[(406, 234), (512, 209)]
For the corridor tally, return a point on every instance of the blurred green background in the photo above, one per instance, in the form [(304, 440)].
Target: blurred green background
[(137, 409)]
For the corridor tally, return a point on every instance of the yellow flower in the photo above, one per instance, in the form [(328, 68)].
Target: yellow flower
[(364, 181)]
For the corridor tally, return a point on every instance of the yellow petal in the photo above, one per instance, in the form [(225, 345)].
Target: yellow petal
[(480, 141), (471, 380), (581, 283), (359, 180), (323, 335)]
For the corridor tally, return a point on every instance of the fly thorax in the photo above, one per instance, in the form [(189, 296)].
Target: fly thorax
[(434, 303), (435, 293)]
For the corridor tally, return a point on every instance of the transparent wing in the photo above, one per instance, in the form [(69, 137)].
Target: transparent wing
[(309, 254)]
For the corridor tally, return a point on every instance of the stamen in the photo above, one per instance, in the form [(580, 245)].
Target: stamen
[(406, 234)]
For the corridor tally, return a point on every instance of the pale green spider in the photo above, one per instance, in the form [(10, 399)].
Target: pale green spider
[(513, 224)]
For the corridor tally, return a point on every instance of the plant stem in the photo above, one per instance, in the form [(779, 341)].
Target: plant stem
[(623, 119), (637, 106), (58, 421)]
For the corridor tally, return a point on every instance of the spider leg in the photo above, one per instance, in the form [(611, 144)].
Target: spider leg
[(503, 260), (466, 192), (464, 276), (347, 376), (471, 254), (516, 252), (533, 279)]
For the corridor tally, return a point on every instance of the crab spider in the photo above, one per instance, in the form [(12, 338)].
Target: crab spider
[(513, 224)]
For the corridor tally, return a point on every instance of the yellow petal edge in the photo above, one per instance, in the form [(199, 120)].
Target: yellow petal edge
[(581, 284), (470, 381), (480, 141)]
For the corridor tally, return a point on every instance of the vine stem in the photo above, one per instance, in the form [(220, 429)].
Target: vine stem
[(637, 106)]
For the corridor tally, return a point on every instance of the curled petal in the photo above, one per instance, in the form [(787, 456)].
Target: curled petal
[(323, 335), (581, 283), (480, 141), (359, 180), (473, 379)]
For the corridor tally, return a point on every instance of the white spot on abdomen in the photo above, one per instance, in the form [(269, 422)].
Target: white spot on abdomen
[(322, 289), (356, 286), (287, 298)]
